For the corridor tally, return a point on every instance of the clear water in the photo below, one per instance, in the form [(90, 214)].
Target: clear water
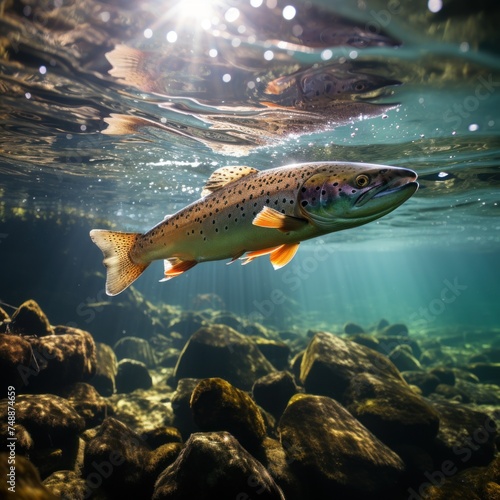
[(207, 109)]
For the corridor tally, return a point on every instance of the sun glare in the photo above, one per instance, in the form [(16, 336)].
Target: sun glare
[(200, 11)]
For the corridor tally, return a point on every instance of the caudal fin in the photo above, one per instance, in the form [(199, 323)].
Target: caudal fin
[(121, 270)]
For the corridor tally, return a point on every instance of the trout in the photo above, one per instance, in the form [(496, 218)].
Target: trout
[(245, 213)]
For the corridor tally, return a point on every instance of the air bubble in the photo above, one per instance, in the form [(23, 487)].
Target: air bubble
[(289, 12)]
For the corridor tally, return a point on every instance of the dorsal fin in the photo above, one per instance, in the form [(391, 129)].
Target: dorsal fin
[(225, 175)]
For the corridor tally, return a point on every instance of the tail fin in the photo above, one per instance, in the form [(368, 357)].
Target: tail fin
[(121, 270)]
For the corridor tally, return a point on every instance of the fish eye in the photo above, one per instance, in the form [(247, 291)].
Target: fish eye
[(362, 180)]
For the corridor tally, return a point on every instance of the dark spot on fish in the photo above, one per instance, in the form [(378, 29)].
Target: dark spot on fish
[(304, 203), (335, 183)]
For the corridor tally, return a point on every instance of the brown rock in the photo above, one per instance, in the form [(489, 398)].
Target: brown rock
[(330, 363), (220, 351), (332, 454), (391, 410), (215, 466), (106, 370), (29, 319), (218, 406), (26, 482)]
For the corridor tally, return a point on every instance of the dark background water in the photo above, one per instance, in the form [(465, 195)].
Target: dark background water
[(61, 175)]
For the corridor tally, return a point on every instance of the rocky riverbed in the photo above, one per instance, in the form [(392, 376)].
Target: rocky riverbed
[(213, 406)]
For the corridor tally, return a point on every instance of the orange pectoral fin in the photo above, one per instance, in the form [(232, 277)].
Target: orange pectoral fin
[(282, 255), (174, 267), (268, 217)]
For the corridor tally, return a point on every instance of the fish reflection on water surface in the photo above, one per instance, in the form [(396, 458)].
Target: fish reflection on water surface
[(261, 101)]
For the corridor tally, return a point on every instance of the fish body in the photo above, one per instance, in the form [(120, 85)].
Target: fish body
[(244, 211)]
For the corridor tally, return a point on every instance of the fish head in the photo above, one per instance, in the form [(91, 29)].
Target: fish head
[(343, 195)]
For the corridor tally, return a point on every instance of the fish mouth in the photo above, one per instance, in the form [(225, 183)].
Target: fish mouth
[(391, 193)]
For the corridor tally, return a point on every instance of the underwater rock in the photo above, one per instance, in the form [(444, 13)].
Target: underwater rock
[(132, 375), (476, 483), (445, 375), (160, 458), (288, 335), (490, 355), (68, 484), (466, 437), (3, 316), (228, 319), (296, 363), (218, 406), (169, 358), (116, 459), (403, 358), (49, 363), (481, 394), (26, 481), (17, 364), (183, 416), (395, 330), (135, 348), (366, 340), (275, 351), (334, 454), (427, 382), (386, 344), (220, 351), (450, 393), (29, 319), (24, 441), (162, 435), (53, 425), (382, 324), (142, 410), (330, 363), (106, 370), (257, 330), (486, 372), (391, 410), (165, 353), (89, 404), (273, 392), (436, 356), (353, 329), (188, 324), (273, 457), (50, 419), (214, 465)]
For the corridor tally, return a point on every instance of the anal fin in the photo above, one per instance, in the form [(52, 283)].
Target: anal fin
[(175, 267), (271, 218)]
